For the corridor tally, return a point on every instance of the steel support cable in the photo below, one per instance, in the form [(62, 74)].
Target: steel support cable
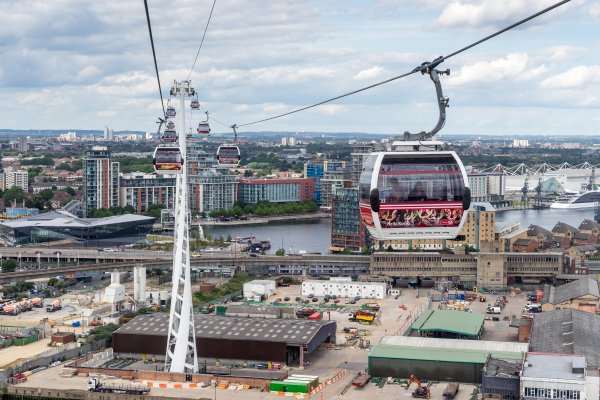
[(433, 64), (202, 41), (162, 102)]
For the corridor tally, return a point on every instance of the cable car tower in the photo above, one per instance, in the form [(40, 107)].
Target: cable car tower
[(181, 353)]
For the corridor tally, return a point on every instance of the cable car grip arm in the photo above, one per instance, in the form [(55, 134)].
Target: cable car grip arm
[(429, 68)]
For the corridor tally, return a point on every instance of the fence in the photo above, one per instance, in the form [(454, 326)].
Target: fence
[(404, 329), (19, 341), (48, 357)]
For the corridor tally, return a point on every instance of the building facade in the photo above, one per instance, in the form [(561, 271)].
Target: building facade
[(17, 178), (210, 187), (100, 180), (319, 169), (483, 270), (252, 191), (348, 231), (141, 191)]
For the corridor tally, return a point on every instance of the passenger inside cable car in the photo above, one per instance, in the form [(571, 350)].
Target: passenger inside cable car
[(397, 192), (418, 192)]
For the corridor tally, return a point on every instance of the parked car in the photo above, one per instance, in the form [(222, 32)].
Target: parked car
[(286, 299)]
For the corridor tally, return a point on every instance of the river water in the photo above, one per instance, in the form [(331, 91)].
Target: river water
[(314, 236)]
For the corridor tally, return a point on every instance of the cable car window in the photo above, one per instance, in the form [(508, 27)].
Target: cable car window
[(163, 156)]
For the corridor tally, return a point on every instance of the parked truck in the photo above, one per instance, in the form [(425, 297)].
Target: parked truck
[(362, 316), (451, 390), (55, 306), (37, 302), (94, 385)]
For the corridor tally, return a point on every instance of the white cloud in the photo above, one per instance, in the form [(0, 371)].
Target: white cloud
[(595, 10), (513, 66), (483, 13), (576, 77), (369, 73), (331, 109)]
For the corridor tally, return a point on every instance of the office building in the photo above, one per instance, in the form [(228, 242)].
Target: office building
[(100, 180), (141, 191), (348, 232), (252, 191), (317, 170), (17, 178)]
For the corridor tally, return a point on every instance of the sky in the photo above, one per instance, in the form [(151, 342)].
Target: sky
[(72, 64)]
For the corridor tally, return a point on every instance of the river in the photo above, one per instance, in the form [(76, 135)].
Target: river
[(314, 236)]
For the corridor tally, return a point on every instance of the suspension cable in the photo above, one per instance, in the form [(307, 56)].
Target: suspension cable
[(162, 102), (433, 64), (202, 41)]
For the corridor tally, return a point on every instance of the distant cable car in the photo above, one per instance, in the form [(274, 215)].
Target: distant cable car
[(228, 155), (169, 136), (203, 127), (170, 112), (195, 105), (167, 160), (414, 195), (170, 125)]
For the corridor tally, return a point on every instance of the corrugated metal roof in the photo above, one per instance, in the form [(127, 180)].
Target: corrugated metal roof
[(459, 322), (569, 291), (211, 326), (435, 343), (433, 354)]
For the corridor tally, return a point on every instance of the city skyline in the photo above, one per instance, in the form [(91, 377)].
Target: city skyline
[(84, 66)]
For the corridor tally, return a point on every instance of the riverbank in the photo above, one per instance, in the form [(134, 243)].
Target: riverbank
[(266, 220)]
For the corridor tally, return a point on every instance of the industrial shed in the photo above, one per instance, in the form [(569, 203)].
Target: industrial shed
[(449, 324), (438, 359), (246, 339)]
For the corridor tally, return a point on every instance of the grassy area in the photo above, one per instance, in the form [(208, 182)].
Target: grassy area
[(235, 284)]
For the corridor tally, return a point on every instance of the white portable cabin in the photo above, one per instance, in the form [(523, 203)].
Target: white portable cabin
[(365, 290), (263, 288)]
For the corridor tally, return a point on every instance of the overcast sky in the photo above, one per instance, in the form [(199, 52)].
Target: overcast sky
[(72, 64)]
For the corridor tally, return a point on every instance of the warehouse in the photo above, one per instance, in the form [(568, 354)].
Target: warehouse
[(344, 287), (449, 324), (438, 359), (287, 341)]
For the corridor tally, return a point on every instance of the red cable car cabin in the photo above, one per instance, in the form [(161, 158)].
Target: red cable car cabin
[(414, 195), (167, 160)]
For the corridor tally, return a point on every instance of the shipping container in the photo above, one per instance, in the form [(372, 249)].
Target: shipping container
[(315, 317), (289, 387)]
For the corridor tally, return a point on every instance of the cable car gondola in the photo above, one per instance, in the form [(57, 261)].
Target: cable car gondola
[(167, 160), (418, 190), (195, 105), (203, 127), (169, 136), (228, 155), (170, 112), (414, 195), (170, 125)]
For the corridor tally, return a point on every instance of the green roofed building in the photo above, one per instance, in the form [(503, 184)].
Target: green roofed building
[(439, 359), (449, 324)]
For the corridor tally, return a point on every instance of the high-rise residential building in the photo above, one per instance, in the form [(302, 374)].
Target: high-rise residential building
[(317, 170), (210, 187), (23, 145), (359, 157), (2, 181), (332, 181), (348, 232), (17, 178), (252, 191), (108, 133), (141, 191), (100, 180)]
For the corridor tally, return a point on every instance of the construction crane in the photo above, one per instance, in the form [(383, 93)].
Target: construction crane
[(592, 180), (538, 195), (421, 392), (524, 190)]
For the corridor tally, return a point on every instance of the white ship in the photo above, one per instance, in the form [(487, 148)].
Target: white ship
[(579, 201)]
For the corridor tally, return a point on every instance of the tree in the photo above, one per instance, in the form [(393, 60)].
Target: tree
[(15, 193), (9, 265), (70, 191), (280, 252), (248, 173), (53, 282)]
